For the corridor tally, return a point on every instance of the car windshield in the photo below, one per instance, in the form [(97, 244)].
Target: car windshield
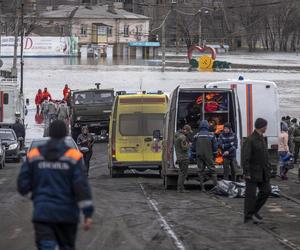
[(36, 143), (7, 135), (90, 97)]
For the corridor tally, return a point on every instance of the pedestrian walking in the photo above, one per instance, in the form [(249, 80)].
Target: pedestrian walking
[(229, 143), (38, 100), (19, 129), (62, 111), (85, 139), (257, 172), (53, 174), (205, 147), (182, 146), (283, 150)]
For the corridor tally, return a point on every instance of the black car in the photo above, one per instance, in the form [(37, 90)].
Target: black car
[(10, 142)]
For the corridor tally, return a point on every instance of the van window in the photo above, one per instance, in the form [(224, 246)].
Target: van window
[(140, 124), (130, 124), (153, 122), (5, 98)]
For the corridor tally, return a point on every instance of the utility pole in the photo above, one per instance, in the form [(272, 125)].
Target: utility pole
[(163, 45), (14, 67), (22, 37)]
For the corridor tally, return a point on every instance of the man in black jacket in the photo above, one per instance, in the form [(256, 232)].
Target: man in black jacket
[(257, 172)]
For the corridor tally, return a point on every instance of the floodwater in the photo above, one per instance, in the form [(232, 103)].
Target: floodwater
[(134, 75)]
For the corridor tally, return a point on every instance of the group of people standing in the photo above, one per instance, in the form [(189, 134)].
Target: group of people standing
[(288, 146), (50, 109), (204, 145), (255, 162)]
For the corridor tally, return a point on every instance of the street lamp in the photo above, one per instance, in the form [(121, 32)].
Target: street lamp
[(206, 11)]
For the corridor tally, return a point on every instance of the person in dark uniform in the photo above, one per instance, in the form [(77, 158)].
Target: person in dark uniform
[(53, 173), (205, 146), (19, 129), (257, 172), (85, 139), (182, 146)]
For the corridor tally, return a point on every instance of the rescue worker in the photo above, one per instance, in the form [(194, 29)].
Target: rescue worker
[(46, 95), (38, 100), (53, 174), (19, 129), (182, 147), (45, 109), (85, 139), (62, 111), (66, 92), (257, 171), (52, 111), (296, 140), (205, 146), (228, 143)]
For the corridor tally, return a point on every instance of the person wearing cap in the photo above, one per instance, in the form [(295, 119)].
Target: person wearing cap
[(205, 147), (182, 147), (85, 139), (257, 171), (228, 143), (283, 150), (53, 174)]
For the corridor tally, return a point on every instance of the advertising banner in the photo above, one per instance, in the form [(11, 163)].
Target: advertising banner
[(41, 46)]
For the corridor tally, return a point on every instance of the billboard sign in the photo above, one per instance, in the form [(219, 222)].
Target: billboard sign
[(41, 46)]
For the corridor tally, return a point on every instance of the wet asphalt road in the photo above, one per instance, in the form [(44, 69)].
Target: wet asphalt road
[(135, 212)]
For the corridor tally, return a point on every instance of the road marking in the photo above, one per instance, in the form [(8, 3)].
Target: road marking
[(162, 220), (2, 180)]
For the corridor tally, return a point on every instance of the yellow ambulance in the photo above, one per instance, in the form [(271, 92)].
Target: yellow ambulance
[(136, 124)]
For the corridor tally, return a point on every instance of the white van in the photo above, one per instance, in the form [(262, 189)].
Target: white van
[(240, 103), (256, 99)]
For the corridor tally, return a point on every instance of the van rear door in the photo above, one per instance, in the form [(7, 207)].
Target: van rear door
[(129, 140)]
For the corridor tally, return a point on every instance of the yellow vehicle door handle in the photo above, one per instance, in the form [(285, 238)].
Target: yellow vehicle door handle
[(148, 139)]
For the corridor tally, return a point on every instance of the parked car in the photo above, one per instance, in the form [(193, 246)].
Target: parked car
[(2, 155), (42, 141), (10, 141)]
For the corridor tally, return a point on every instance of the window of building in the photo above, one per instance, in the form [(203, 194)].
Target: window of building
[(109, 31), (83, 30), (5, 98), (102, 30), (61, 29), (126, 30)]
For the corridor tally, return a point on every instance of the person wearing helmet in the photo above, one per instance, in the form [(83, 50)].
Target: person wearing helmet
[(85, 139)]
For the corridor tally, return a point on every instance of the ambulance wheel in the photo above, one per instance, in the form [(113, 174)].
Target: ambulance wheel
[(170, 182)]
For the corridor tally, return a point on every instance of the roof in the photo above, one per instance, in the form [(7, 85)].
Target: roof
[(91, 12)]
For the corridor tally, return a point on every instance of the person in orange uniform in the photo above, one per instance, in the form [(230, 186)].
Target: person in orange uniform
[(66, 92), (46, 95), (38, 100)]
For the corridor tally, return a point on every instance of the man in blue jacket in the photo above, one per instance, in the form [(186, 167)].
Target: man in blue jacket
[(54, 175), (205, 146), (229, 143)]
